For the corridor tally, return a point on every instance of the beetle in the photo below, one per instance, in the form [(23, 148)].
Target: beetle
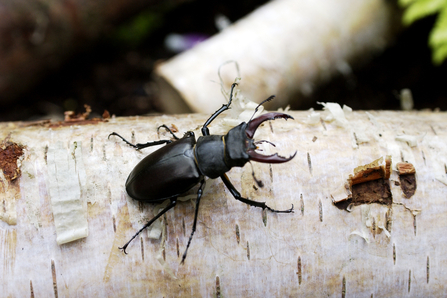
[(177, 167)]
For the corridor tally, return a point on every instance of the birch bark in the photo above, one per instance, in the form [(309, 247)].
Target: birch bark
[(237, 251)]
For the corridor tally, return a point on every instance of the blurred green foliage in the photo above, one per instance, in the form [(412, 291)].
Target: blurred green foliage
[(417, 9)]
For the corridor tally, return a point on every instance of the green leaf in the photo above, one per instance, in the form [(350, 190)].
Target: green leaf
[(440, 54), (417, 9), (420, 8), (438, 37), (404, 3)]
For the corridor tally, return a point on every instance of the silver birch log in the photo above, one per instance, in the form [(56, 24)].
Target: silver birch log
[(69, 184)]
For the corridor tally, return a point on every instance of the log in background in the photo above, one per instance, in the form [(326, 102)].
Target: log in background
[(237, 251)]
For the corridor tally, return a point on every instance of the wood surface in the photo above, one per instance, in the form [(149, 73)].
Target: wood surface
[(237, 251)]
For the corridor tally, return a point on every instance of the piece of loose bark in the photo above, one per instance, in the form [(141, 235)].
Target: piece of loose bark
[(407, 178)]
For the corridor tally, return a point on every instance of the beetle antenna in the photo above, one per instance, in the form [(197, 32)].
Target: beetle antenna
[(263, 102), (258, 182)]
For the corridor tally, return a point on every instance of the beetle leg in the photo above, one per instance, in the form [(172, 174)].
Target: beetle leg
[(238, 197), (205, 130), (141, 146), (171, 205), (168, 129), (199, 195)]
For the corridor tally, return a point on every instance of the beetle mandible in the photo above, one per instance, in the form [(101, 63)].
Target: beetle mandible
[(180, 165)]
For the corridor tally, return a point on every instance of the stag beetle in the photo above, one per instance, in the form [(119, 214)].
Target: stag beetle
[(180, 165)]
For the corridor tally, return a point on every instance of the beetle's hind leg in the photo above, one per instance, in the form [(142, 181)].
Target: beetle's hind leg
[(170, 206), (140, 146), (196, 213), (238, 197)]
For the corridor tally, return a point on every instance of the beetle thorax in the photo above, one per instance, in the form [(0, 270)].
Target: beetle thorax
[(209, 154), (216, 154)]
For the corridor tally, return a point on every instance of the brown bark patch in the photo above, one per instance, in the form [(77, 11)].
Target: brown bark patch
[(375, 191), (407, 178), (9, 154)]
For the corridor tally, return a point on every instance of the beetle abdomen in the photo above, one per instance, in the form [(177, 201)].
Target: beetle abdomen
[(167, 172)]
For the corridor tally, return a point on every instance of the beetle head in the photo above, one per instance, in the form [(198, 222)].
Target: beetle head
[(252, 126), (241, 148)]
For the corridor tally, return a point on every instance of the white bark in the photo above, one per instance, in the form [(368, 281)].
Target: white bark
[(317, 251)]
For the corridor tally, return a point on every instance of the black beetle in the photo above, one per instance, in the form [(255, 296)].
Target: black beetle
[(180, 165)]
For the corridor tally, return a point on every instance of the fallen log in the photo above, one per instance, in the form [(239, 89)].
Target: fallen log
[(285, 47)]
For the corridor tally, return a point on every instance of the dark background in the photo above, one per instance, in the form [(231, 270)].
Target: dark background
[(117, 76)]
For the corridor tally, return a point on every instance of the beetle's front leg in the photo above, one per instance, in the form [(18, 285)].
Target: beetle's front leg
[(140, 146), (238, 197), (205, 130)]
